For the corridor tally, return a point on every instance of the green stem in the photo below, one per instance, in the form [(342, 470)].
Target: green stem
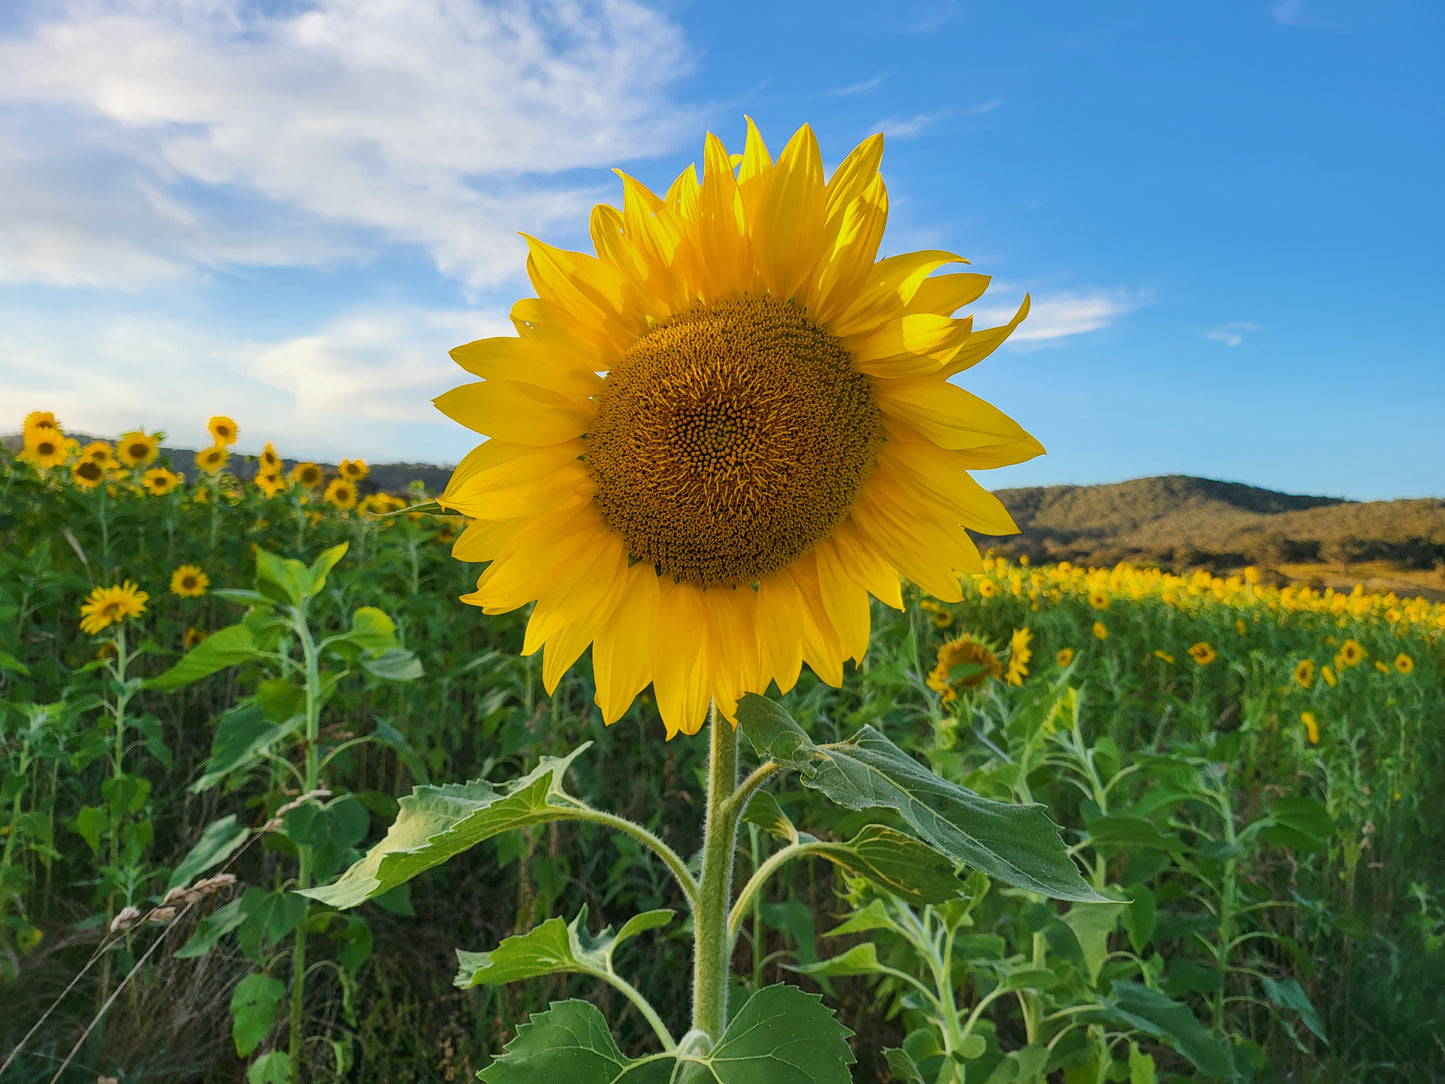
[(711, 943), (674, 861), (303, 873), (766, 870)]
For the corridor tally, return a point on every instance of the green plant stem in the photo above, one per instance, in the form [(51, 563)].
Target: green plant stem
[(711, 943), (303, 873), (767, 869), (674, 861)]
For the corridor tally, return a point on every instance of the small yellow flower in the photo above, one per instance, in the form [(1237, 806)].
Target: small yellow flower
[(1099, 598), (1251, 574), (270, 461), (941, 617), (987, 588), (111, 605), (1164, 656), (979, 661), (1100, 632), (1312, 728), (158, 481), (1202, 653), (1240, 626), (193, 637), (87, 474), (1065, 656), (223, 430), (40, 423), (213, 458), (1328, 674), (1304, 673), (307, 474), (341, 493), (270, 483), (98, 451), (138, 449), (1351, 653), (189, 581), (45, 450), (1381, 666), (355, 469), (1019, 656), (1404, 663)]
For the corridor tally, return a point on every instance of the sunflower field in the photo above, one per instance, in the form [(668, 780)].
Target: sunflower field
[(1251, 775)]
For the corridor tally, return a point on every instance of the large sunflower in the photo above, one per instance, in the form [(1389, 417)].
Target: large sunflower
[(710, 442)]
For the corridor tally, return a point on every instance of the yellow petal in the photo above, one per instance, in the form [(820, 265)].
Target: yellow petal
[(850, 247), (593, 292), (754, 166), (684, 194), (906, 346), (855, 174), (936, 475), (680, 657), (721, 228), (866, 565), (525, 486), (622, 652), (844, 600), (787, 229), (515, 413), (566, 644), (578, 592), (780, 630), (821, 649), (949, 416), (946, 294), (507, 357), (981, 344), (892, 284), (533, 557)]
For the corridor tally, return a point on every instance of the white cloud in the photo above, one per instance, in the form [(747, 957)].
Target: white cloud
[(142, 139), (1288, 12), (1053, 317), (1230, 334), (360, 385), (857, 88)]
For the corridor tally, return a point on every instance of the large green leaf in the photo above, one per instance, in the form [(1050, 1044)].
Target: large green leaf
[(781, 1034), (253, 1010), (1092, 924), (552, 947), (322, 566), (282, 579), (243, 736), (1015, 844), (1153, 1013), (225, 647), (436, 823), (1290, 995), (910, 870)]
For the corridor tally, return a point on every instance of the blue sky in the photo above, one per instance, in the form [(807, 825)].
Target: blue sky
[(288, 212)]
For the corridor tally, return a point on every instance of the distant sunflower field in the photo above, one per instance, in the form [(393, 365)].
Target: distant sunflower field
[(214, 691)]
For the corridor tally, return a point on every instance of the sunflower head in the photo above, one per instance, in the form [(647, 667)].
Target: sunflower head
[(1019, 656), (341, 493), (1099, 598), (45, 450), (964, 663), (87, 474), (193, 637), (1404, 663), (223, 430), (712, 440), (1101, 631), (270, 462), (1064, 657), (1311, 725), (1350, 654), (213, 458), (1304, 673), (138, 448), (40, 423), (270, 482), (106, 606), (188, 581), (354, 469), (158, 481), (307, 474), (98, 451)]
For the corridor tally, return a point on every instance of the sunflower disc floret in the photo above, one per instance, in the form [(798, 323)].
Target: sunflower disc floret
[(709, 443)]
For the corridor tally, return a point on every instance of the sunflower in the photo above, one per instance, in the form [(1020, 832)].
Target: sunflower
[(1350, 654), (987, 588), (1019, 656), (1202, 653), (213, 458), (714, 439), (98, 451), (1163, 656), (40, 423), (111, 605), (223, 430), (270, 462), (355, 469), (189, 581), (158, 481), (1328, 675), (1304, 673), (1404, 663), (87, 474), (1065, 656), (962, 664), (45, 449), (1240, 626), (341, 493), (270, 482), (1312, 727), (193, 638), (1099, 598), (1101, 632), (138, 449), (307, 474)]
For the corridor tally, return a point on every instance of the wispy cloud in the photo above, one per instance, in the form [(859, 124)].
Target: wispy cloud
[(941, 12), (907, 127), (1230, 334), (142, 140), (1289, 12), (1054, 317), (858, 88)]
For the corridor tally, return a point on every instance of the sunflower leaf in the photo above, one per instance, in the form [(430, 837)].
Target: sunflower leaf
[(898, 863), (225, 647), (554, 947), (1015, 844), (436, 823)]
